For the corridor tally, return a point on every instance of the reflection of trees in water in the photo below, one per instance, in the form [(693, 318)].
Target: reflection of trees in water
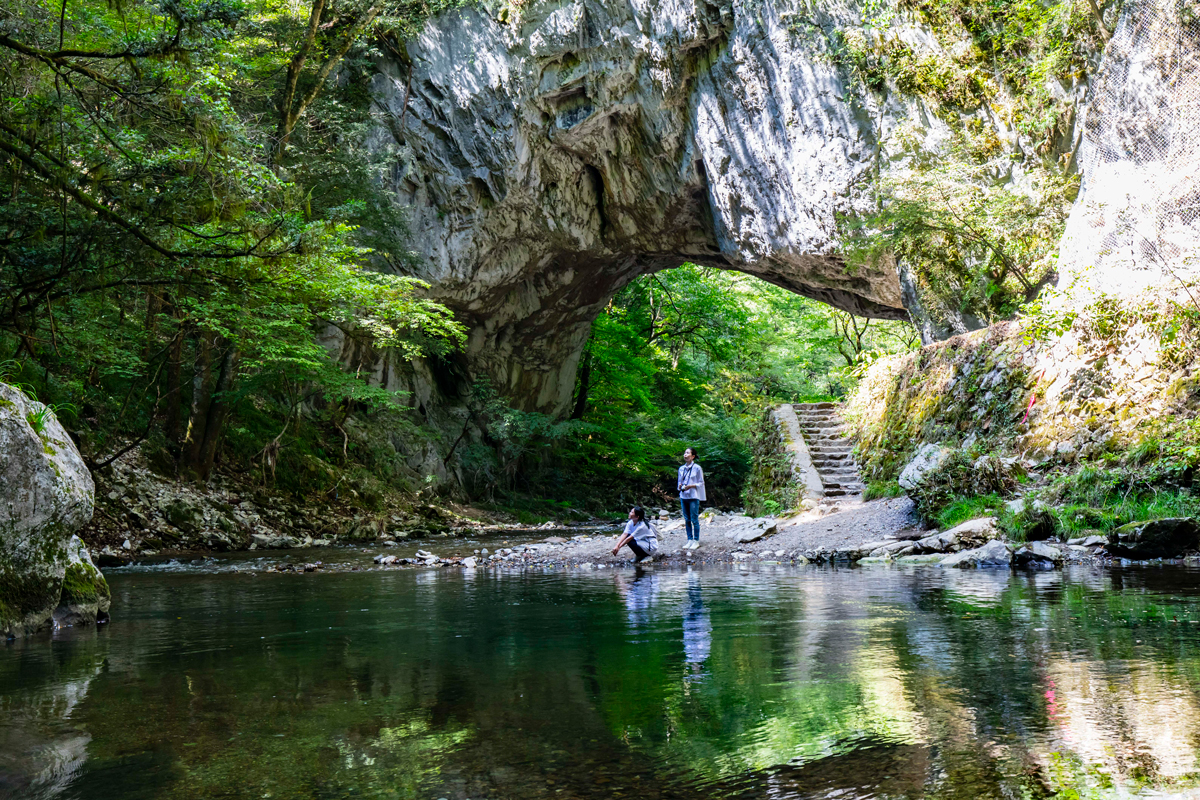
[(521, 685)]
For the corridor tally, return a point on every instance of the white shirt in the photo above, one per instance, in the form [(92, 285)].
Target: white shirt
[(689, 474), (645, 536)]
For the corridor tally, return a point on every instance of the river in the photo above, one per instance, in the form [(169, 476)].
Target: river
[(222, 681)]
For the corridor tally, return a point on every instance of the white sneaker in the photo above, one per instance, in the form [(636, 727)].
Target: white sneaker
[(695, 544)]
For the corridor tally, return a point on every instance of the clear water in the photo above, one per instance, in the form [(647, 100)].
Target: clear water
[(715, 683)]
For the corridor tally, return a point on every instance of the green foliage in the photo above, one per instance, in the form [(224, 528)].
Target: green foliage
[(976, 224), (881, 489), (961, 509), (962, 482), (1098, 499), (976, 248), (687, 357), (772, 487), (186, 210)]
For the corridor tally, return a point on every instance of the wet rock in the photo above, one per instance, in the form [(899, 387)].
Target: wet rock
[(111, 558), (993, 554), (385, 560), (469, 562), (927, 459), (1038, 555), (1158, 538), (924, 558), (85, 596)]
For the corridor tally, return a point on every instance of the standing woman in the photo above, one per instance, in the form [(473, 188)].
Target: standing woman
[(691, 492)]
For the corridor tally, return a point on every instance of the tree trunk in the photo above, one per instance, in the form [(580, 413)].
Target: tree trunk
[(171, 423), (218, 411), (201, 397)]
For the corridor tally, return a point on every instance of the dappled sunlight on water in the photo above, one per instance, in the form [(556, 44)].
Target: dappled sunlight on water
[(712, 683)]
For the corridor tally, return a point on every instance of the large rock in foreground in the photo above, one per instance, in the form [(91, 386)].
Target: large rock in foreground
[(46, 494)]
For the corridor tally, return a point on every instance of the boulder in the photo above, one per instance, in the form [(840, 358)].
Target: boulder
[(947, 542), (46, 494), (756, 530), (927, 459), (993, 554), (85, 596), (1038, 555), (1156, 538), (975, 532)]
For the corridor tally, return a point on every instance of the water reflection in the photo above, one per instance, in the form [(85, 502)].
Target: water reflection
[(697, 628), (656, 683)]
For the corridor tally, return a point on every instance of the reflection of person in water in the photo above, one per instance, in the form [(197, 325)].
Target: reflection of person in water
[(639, 596), (697, 627)]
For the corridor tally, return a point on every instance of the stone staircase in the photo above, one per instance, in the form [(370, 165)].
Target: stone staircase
[(830, 451)]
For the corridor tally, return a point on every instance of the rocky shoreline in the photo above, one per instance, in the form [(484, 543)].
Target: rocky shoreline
[(819, 537)]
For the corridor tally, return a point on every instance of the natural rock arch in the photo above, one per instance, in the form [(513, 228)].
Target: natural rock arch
[(549, 161)]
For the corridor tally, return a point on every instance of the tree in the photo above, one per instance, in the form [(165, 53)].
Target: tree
[(149, 243)]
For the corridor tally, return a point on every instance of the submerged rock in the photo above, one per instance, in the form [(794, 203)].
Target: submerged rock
[(1156, 538), (46, 494)]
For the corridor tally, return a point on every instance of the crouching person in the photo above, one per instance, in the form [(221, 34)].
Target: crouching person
[(639, 535)]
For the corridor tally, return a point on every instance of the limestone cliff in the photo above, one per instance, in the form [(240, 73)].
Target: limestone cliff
[(46, 494), (550, 157), (1136, 224)]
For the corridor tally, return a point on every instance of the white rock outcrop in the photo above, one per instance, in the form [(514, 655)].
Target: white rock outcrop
[(549, 156), (927, 459), (46, 494), (1136, 223)]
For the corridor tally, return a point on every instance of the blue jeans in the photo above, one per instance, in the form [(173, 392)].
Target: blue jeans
[(691, 517)]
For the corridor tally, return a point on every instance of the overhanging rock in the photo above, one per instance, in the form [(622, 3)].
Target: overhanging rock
[(549, 160)]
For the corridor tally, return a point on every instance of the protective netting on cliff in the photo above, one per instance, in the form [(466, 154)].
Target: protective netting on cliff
[(1143, 133)]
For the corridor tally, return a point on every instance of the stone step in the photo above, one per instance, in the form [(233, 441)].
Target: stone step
[(799, 406)]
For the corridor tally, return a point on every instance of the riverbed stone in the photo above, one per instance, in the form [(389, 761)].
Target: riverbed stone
[(1038, 555), (993, 554), (921, 558), (1157, 538), (46, 494), (947, 542)]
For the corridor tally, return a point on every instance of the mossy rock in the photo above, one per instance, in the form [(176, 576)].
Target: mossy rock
[(1156, 538)]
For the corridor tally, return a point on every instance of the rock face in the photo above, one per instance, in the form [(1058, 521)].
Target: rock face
[(46, 494), (927, 459), (1136, 222), (551, 154)]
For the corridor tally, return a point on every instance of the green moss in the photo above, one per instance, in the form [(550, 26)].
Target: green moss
[(83, 585)]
